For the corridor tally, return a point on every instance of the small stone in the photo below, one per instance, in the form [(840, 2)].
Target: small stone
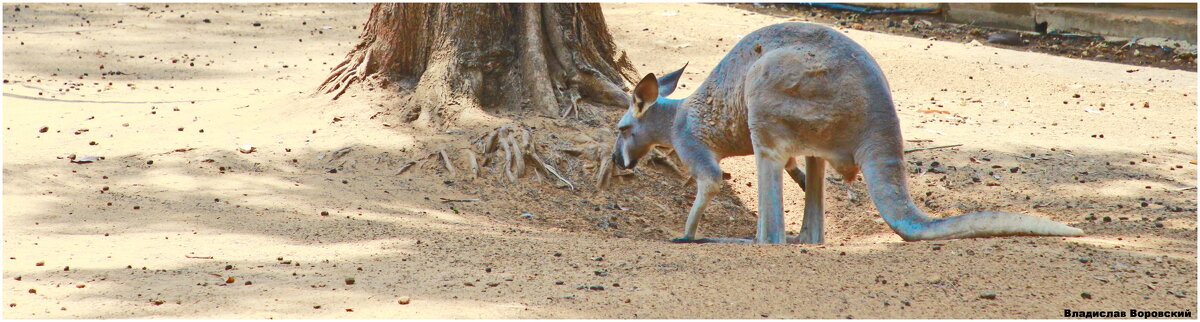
[(1084, 260), (493, 284), (1005, 38), (349, 281), (1086, 295), (404, 300), (555, 282), (43, 129), (987, 295)]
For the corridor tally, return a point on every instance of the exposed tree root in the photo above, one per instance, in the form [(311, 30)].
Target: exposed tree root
[(516, 152)]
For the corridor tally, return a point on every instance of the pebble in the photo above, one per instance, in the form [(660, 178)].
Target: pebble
[(1086, 295), (404, 300), (1005, 38), (987, 295)]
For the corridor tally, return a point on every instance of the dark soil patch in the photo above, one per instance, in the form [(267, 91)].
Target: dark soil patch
[(928, 26)]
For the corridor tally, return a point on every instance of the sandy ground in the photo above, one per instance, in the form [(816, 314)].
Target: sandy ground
[(174, 222)]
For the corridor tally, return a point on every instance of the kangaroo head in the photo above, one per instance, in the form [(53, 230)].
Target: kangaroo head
[(648, 121)]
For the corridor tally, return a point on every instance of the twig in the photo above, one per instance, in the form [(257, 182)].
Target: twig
[(405, 167), (198, 257), (931, 148), (665, 159), (449, 165), (603, 173), (473, 162), (1186, 189), (550, 169), (458, 200)]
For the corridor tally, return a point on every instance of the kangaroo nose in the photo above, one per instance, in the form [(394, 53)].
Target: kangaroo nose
[(620, 161)]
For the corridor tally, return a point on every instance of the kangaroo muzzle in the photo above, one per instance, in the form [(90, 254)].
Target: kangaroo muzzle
[(621, 155)]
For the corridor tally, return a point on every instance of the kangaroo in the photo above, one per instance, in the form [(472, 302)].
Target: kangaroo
[(791, 90)]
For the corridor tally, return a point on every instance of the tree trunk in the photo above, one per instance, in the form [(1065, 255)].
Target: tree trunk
[(447, 57)]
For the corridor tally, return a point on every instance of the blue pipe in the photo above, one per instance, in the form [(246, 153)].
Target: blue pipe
[(838, 6)]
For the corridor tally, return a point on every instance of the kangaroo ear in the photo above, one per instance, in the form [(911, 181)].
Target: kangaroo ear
[(645, 94), (666, 84)]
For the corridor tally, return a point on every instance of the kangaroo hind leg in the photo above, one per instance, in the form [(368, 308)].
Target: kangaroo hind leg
[(770, 199), (813, 229)]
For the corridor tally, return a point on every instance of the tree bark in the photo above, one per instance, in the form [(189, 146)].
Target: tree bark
[(541, 58)]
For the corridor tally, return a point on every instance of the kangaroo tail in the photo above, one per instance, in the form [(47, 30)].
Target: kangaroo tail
[(884, 172)]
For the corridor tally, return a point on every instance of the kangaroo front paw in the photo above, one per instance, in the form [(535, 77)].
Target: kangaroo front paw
[(713, 241)]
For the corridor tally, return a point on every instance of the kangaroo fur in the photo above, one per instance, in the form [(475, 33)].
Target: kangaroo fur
[(788, 91)]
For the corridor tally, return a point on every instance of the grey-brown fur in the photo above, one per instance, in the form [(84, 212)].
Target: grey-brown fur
[(792, 90)]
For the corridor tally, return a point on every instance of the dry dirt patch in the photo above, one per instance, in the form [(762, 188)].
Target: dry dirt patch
[(292, 221)]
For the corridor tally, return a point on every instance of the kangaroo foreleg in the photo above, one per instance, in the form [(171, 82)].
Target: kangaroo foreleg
[(706, 189), (707, 172)]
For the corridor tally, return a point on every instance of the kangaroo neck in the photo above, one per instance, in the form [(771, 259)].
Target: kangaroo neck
[(715, 120), (663, 114)]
